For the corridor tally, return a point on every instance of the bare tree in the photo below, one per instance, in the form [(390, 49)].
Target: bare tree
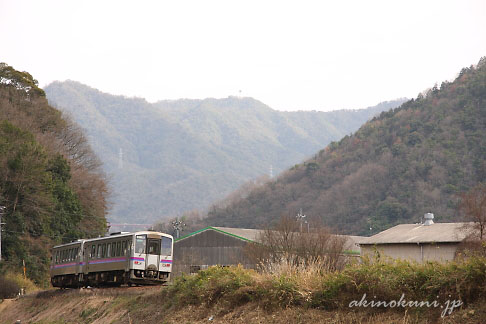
[(473, 207), (285, 243)]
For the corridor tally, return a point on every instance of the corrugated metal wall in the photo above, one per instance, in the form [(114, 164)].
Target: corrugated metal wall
[(440, 252), (209, 248)]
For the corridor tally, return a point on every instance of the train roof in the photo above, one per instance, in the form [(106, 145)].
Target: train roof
[(122, 234), (70, 243)]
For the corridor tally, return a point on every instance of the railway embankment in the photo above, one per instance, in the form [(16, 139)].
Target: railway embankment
[(372, 292)]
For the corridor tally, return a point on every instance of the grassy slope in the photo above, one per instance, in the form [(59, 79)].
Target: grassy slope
[(290, 295)]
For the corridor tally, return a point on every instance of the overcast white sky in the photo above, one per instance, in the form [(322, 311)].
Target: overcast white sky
[(291, 55)]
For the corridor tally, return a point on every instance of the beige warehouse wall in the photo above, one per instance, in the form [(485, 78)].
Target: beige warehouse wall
[(440, 252)]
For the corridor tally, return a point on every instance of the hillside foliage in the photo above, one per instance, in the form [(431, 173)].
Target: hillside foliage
[(181, 155), (403, 163), (51, 184)]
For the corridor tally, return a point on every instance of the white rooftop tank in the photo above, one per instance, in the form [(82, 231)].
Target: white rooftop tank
[(429, 219)]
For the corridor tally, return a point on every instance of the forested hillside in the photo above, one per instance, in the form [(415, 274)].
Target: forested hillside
[(408, 161), (51, 184), (180, 155)]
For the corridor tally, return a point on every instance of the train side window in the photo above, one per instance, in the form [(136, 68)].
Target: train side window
[(141, 244), (57, 257), (98, 253), (166, 246), (124, 248), (76, 252), (103, 250), (118, 248), (71, 253), (113, 249), (62, 255), (93, 251), (108, 250)]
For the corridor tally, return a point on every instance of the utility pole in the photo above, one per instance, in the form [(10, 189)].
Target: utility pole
[(178, 227), (301, 218), (2, 210)]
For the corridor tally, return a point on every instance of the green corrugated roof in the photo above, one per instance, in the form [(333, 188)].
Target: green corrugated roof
[(214, 229), (251, 235)]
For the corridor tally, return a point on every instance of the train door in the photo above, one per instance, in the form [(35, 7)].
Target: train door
[(90, 253), (166, 254), (79, 258), (153, 255), (139, 252)]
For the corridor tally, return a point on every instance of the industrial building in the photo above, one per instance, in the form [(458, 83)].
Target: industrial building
[(428, 241), (223, 246)]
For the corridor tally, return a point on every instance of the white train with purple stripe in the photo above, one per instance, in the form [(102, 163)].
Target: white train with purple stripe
[(121, 258)]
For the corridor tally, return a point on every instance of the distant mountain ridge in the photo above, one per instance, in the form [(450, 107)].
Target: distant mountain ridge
[(179, 155), (403, 163)]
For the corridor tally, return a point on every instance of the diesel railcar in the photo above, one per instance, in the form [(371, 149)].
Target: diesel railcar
[(141, 258)]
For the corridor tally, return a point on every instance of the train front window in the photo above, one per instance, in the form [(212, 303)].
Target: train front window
[(153, 246), (140, 243), (166, 246)]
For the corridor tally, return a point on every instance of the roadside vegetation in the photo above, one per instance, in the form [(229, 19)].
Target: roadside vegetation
[(284, 293), (290, 285), (11, 285)]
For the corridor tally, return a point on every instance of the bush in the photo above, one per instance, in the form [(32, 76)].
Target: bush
[(388, 280), (208, 286), (380, 280), (8, 288), (21, 282)]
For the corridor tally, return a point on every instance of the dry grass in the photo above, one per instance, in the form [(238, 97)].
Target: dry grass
[(283, 293), (16, 282), (147, 305), (287, 284)]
